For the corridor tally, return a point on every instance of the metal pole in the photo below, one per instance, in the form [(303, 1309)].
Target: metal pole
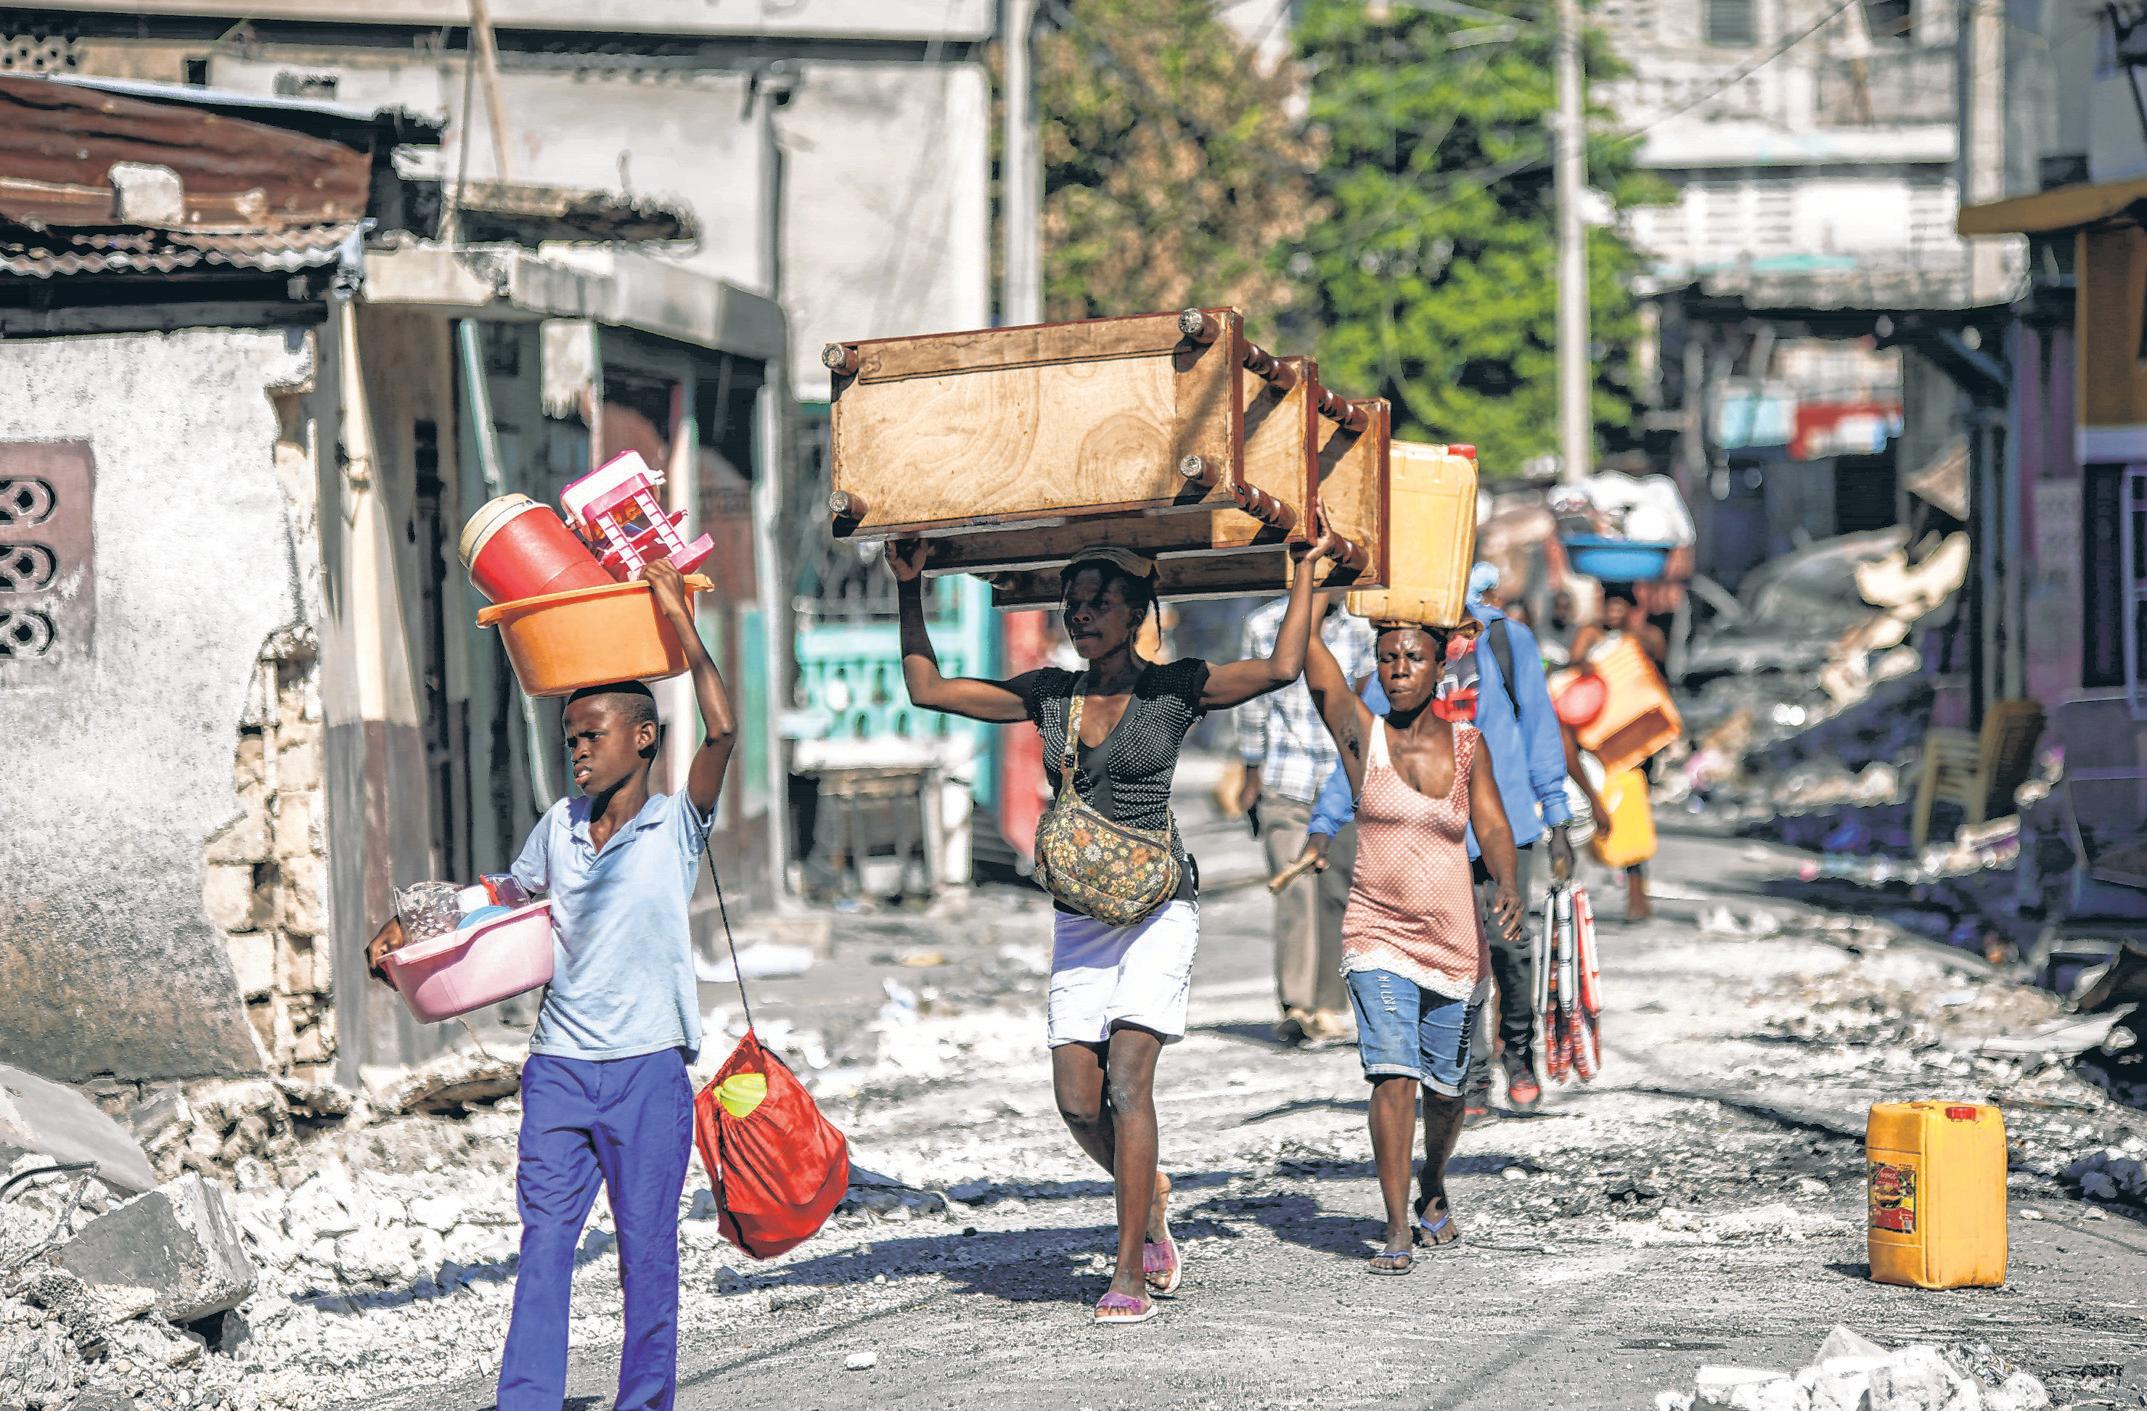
[(1021, 184), (488, 65), (1576, 429)]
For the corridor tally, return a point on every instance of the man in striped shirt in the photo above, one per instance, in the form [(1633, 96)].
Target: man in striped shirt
[(1288, 755)]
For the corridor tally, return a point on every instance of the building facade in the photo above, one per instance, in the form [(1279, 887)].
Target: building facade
[(2067, 494)]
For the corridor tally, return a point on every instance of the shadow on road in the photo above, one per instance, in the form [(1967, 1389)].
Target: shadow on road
[(1047, 1265), (1299, 1220)]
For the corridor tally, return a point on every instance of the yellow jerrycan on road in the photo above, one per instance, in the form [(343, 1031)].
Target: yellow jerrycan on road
[(1935, 1180)]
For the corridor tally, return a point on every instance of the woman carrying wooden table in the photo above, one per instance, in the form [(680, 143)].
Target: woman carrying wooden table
[(1118, 991)]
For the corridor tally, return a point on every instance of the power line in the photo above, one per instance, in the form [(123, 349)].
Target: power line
[(1468, 183)]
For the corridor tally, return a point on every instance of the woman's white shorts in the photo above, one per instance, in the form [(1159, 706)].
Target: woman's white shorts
[(1106, 975)]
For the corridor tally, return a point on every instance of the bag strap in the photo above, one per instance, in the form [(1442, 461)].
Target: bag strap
[(1502, 649), (723, 911), (1069, 754)]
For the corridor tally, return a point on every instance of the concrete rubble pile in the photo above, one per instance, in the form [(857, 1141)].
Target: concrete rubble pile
[(1853, 1373), (112, 1301), (1782, 733)]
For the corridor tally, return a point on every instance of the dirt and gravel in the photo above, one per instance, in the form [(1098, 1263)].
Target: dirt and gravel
[(1700, 1205)]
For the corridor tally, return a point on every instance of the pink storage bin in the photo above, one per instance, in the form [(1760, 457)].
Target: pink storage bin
[(475, 966)]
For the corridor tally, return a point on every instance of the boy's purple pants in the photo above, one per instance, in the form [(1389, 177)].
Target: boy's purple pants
[(627, 1122)]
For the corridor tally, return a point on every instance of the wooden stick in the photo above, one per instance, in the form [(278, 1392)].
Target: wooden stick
[(1295, 870)]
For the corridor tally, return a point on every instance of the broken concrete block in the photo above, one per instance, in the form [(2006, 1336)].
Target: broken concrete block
[(326, 1205), (451, 1082), (305, 896), (1844, 1341), (1918, 1378), (36, 1373), (50, 1119), (1722, 1385), (154, 1342), (297, 824), (230, 898), (377, 1254), (2019, 1392), (81, 1314), (253, 960), (298, 755), (438, 1213), (178, 1242), (245, 839), (294, 962)]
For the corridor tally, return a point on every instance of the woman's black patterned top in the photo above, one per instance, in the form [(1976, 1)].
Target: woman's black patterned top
[(1128, 777)]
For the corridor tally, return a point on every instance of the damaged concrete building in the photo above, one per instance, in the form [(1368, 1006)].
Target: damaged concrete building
[(253, 395)]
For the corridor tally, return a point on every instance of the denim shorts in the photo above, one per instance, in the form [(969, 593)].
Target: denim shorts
[(1407, 1031)]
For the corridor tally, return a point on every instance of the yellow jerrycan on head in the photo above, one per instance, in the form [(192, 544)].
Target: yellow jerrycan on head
[(1935, 1180), (1431, 537)]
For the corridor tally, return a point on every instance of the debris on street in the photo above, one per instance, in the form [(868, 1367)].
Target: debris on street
[(1853, 1373)]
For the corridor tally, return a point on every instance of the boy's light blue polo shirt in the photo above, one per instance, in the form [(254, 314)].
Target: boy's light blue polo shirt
[(622, 950)]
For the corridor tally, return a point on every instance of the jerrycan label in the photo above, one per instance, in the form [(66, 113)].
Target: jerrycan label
[(1893, 1197)]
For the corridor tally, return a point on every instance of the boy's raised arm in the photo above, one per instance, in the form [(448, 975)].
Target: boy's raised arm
[(704, 780)]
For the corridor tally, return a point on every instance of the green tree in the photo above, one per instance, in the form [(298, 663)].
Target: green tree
[(1173, 170), (1435, 257)]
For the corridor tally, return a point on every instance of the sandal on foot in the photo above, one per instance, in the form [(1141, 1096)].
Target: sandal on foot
[(1162, 1265), (1117, 1308), (1392, 1263), (1427, 1231)]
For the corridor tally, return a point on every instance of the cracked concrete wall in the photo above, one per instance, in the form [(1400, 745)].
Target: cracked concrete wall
[(112, 958)]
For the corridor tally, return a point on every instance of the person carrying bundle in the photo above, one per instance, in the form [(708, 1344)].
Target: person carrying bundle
[(1413, 946), (1128, 919)]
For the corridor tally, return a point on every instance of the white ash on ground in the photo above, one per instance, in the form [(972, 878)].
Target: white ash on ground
[(1853, 1373)]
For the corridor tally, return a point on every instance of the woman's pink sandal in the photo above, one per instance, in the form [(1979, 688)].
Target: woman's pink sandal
[(1162, 1266), (1125, 1308)]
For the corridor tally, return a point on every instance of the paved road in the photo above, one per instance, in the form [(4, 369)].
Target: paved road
[(1701, 1203)]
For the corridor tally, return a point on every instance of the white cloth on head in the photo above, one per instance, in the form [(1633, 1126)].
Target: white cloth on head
[(1107, 975)]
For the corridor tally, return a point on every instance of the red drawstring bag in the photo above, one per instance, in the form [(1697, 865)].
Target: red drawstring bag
[(778, 1166)]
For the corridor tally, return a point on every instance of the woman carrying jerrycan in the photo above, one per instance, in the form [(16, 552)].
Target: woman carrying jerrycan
[(1128, 917), (1413, 948)]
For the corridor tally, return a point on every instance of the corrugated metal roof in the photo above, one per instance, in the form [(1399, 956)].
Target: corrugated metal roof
[(51, 254), (59, 144)]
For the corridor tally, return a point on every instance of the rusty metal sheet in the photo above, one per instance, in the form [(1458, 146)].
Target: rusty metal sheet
[(59, 142)]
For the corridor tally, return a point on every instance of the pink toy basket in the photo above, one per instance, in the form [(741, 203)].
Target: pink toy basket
[(474, 966)]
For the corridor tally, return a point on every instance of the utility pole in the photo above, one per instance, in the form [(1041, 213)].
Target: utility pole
[(1576, 426), (1021, 177)]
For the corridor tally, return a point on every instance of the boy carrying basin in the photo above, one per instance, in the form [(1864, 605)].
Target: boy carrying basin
[(605, 1096)]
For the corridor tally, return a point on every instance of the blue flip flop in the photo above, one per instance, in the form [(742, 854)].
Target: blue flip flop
[(1427, 1231), (1399, 1262)]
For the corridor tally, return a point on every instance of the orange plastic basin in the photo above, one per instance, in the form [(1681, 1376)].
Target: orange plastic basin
[(561, 642)]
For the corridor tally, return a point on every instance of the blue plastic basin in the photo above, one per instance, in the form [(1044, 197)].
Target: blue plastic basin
[(1617, 560)]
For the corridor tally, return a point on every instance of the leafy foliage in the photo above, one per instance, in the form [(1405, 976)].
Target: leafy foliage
[(1435, 259), (1173, 169)]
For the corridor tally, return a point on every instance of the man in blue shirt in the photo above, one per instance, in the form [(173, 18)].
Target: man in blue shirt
[(605, 1096), (1520, 727)]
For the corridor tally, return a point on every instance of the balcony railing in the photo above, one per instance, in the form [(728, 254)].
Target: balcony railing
[(1888, 87)]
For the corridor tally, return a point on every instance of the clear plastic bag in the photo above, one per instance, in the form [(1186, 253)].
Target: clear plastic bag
[(427, 909)]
